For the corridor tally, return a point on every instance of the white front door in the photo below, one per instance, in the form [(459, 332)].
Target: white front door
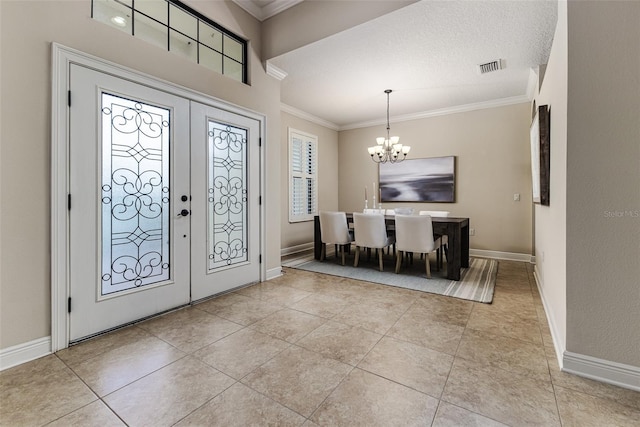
[(164, 201), (129, 168), (225, 179)]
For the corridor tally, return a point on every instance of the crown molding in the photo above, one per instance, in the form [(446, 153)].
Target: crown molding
[(520, 99), (266, 12), (277, 7), (252, 8), (310, 117), (442, 112), (275, 72)]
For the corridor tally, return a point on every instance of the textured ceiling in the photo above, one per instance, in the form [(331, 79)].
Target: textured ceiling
[(427, 53)]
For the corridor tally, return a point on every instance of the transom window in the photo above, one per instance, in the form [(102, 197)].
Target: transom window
[(174, 26)]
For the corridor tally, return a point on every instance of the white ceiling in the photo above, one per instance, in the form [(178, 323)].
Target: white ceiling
[(428, 54)]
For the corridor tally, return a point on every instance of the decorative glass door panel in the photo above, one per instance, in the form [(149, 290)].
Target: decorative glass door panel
[(227, 195), (135, 194), (129, 242), (225, 209)]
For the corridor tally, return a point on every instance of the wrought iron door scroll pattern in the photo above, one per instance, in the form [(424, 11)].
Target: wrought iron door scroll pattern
[(227, 195), (135, 194)]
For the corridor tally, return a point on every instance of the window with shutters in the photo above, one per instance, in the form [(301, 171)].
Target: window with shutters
[(303, 176)]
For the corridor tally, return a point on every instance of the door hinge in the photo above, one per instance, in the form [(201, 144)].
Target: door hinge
[(260, 200), (260, 142), (69, 98), (260, 259), (69, 201), (69, 305)]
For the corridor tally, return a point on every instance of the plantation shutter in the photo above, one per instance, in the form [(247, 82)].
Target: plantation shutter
[(303, 204)]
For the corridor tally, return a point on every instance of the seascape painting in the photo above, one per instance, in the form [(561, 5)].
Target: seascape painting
[(419, 180)]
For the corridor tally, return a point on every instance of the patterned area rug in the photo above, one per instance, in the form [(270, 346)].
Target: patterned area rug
[(476, 282)]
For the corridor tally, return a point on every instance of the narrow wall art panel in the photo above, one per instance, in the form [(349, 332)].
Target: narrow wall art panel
[(540, 155)]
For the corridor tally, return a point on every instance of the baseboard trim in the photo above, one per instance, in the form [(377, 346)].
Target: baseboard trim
[(483, 253), (606, 371), (25, 352), (274, 272), (558, 345), (507, 256), (296, 249)]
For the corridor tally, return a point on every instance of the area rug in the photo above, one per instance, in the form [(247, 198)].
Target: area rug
[(477, 282)]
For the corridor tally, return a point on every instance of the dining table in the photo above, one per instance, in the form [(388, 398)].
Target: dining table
[(457, 230)]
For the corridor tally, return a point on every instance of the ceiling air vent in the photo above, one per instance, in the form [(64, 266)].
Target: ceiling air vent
[(490, 66)]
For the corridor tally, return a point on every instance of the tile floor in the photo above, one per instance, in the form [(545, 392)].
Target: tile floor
[(313, 350)]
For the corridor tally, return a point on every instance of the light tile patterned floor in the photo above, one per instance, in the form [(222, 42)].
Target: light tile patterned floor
[(313, 350)]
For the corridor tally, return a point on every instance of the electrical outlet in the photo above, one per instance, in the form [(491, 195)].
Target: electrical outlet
[(472, 232), (516, 197)]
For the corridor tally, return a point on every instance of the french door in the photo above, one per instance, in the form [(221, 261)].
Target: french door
[(163, 201), (225, 166)]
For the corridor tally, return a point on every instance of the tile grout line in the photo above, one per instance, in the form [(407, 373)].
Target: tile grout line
[(513, 275), (99, 398)]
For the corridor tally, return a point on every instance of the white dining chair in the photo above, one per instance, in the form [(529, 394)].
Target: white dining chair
[(334, 230), (380, 212), (442, 214), (371, 232), (414, 233), (444, 239), (403, 211)]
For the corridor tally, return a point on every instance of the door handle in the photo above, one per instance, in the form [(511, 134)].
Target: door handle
[(184, 212)]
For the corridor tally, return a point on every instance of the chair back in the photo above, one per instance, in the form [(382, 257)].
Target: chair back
[(334, 228), (414, 233), (441, 214), (404, 211), (370, 230)]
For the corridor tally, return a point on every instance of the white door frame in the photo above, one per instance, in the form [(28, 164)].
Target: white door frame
[(62, 57)]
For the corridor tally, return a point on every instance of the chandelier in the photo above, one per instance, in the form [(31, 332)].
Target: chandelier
[(388, 149)]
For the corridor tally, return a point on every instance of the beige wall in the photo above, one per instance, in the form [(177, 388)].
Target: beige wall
[(551, 221), (26, 32), (492, 150), (311, 21), (300, 233), (603, 176)]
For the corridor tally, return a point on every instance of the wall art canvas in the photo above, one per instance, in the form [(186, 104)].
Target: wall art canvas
[(540, 155), (419, 180)]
